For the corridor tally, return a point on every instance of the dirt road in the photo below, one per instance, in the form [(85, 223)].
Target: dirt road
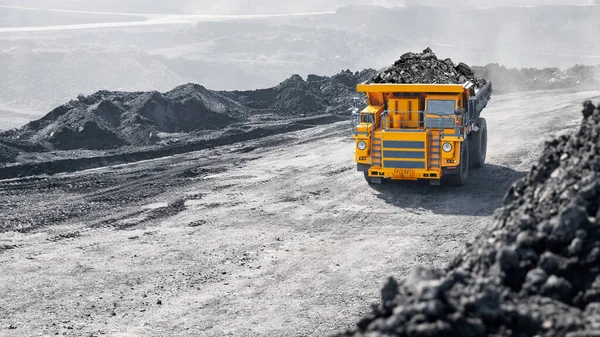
[(275, 237)]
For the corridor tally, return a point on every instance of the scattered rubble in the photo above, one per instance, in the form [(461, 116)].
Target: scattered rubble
[(427, 68), (534, 271)]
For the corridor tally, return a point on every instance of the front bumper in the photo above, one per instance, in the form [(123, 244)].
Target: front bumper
[(404, 174)]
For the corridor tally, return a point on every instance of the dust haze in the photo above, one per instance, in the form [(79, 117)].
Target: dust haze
[(187, 168), (52, 51), (263, 7)]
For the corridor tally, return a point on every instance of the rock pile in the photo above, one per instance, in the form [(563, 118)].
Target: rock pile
[(10, 149), (427, 68), (534, 272), (295, 96), (7, 153), (111, 120)]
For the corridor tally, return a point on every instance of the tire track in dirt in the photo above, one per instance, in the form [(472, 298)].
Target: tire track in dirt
[(291, 243)]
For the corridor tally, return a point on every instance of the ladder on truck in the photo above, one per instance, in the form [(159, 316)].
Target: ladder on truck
[(376, 152), (435, 145)]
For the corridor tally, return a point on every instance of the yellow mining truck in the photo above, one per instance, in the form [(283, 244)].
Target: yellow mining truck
[(421, 131)]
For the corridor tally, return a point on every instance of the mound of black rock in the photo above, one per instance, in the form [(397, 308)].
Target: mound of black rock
[(110, 120), (7, 153), (535, 271), (428, 69)]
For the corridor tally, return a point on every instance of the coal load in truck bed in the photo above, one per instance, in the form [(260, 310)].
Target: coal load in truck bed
[(535, 271), (426, 68)]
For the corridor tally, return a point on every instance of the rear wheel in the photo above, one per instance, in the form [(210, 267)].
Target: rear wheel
[(479, 145), (460, 178)]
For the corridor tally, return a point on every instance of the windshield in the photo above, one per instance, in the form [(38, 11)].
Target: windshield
[(441, 107), (366, 118)]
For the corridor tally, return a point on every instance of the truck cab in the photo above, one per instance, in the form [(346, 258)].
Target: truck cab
[(420, 131)]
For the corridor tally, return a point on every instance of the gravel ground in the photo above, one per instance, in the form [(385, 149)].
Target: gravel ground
[(273, 237)]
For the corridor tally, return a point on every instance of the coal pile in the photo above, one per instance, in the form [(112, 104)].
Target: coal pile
[(8, 154), (10, 149), (426, 68), (535, 271), (295, 96), (108, 120)]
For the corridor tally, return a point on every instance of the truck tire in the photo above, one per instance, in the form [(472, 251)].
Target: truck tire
[(371, 180), (367, 178), (460, 178), (479, 144)]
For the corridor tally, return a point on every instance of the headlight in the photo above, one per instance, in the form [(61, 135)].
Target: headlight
[(447, 147), (361, 145)]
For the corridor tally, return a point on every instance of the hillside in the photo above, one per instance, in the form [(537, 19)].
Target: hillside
[(113, 119)]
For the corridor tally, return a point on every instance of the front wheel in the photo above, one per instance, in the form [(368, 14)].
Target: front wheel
[(367, 178), (372, 180), (460, 178)]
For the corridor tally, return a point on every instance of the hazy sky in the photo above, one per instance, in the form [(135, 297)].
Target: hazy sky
[(42, 68), (263, 6)]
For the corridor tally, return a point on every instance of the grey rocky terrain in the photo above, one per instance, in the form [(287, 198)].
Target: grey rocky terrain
[(133, 204)]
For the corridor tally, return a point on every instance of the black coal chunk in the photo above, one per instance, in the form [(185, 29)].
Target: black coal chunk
[(426, 68)]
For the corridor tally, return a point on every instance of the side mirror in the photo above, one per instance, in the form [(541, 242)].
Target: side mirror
[(458, 112)]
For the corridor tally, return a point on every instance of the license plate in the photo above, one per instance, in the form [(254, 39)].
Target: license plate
[(402, 173)]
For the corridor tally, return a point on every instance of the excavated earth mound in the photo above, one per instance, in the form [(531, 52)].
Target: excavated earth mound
[(534, 272), (8, 154), (107, 120), (110, 120), (517, 80), (9, 149), (297, 97), (427, 68)]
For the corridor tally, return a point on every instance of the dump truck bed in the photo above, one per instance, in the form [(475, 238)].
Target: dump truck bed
[(411, 88)]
